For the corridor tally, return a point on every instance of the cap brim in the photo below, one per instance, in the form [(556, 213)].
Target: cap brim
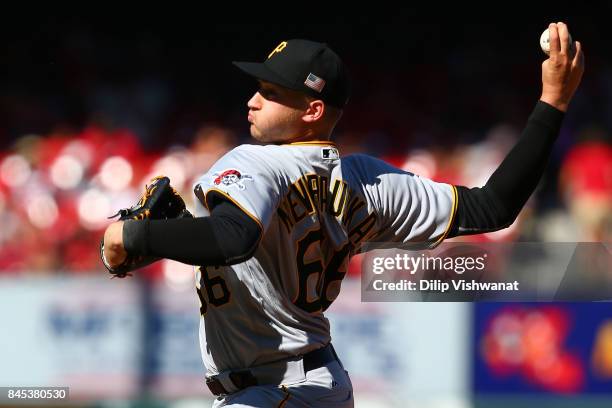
[(261, 71)]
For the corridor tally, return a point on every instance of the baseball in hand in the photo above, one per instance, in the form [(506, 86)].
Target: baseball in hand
[(545, 42)]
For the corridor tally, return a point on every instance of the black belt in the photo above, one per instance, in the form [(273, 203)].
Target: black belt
[(244, 378)]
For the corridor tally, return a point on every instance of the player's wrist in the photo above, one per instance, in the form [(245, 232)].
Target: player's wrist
[(105, 261), (113, 236), (113, 259), (114, 253), (556, 101)]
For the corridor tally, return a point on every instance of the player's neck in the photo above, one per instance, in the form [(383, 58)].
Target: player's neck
[(307, 139), (310, 135)]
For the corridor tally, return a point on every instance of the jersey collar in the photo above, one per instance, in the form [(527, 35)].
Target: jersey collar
[(313, 143)]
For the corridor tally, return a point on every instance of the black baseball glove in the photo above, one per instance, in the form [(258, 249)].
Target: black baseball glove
[(160, 201)]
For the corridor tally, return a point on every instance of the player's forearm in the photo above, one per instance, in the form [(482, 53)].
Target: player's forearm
[(497, 204), (228, 236), (518, 175)]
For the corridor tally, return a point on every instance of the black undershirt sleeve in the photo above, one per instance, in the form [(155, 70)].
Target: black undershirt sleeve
[(496, 205), (228, 236)]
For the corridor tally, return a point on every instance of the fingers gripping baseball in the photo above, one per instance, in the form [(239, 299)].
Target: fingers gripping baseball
[(562, 71)]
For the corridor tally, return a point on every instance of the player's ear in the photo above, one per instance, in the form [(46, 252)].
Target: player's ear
[(314, 111)]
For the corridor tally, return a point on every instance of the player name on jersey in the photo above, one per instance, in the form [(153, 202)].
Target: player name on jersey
[(310, 195)]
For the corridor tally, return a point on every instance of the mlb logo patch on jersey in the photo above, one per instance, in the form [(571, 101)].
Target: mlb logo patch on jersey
[(231, 178), (330, 153)]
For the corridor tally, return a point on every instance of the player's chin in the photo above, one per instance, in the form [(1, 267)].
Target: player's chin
[(257, 134)]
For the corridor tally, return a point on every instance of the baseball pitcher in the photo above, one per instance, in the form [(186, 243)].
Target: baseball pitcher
[(276, 223)]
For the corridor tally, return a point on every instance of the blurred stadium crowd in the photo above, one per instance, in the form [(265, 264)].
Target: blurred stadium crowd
[(58, 190), (65, 168)]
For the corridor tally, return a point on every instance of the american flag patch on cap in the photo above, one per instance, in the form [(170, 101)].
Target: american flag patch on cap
[(314, 82)]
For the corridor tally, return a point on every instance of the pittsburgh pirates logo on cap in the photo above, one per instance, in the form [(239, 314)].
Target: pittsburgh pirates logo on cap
[(278, 48), (305, 66)]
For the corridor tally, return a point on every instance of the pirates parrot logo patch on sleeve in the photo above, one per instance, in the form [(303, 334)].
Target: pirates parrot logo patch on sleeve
[(231, 178)]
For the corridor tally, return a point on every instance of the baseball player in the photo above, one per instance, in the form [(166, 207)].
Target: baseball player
[(276, 223)]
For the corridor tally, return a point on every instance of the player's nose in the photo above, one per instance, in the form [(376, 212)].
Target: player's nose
[(255, 102)]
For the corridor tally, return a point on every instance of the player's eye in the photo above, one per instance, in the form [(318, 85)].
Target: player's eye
[(267, 93)]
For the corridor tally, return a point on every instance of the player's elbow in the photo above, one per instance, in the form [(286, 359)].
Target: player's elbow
[(243, 250), (238, 239), (501, 215), (508, 218), (479, 211)]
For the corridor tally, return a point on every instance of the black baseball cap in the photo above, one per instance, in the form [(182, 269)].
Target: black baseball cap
[(305, 66)]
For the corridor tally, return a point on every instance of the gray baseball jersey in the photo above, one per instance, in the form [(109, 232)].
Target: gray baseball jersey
[(315, 210)]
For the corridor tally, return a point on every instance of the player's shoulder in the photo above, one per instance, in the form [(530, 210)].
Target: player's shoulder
[(250, 158), (253, 150), (363, 164), (252, 154), (364, 170), (362, 159), (256, 148)]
